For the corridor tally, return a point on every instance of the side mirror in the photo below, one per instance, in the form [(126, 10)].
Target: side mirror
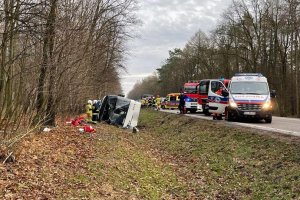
[(225, 93), (273, 93)]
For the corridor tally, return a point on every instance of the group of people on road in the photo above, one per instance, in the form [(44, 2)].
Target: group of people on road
[(152, 102), (92, 109)]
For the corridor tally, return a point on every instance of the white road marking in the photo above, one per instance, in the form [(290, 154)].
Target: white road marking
[(291, 123)]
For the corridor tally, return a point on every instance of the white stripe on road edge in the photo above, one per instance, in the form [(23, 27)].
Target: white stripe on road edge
[(294, 133), (267, 128)]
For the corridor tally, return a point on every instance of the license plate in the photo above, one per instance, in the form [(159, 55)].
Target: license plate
[(249, 113), (194, 104)]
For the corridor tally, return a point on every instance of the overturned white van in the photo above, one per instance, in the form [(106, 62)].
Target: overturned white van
[(120, 111)]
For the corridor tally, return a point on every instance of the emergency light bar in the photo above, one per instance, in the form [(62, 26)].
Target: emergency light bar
[(248, 74)]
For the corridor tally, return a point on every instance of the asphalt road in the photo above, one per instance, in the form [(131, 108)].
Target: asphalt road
[(289, 126)]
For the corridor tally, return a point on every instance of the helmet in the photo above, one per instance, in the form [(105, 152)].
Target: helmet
[(90, 102)]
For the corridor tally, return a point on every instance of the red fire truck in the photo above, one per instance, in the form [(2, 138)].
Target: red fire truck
[(192, 96)]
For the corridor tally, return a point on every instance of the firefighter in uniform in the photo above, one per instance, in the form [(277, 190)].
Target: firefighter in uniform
[(89, 110), (158, 102)]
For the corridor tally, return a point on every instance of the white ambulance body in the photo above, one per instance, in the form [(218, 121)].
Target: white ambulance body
[(247, 96)]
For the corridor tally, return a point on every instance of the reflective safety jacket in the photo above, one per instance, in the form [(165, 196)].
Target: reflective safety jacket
[(158, 101), (88, 109)]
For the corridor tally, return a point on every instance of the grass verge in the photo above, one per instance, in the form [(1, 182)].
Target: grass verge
[(223, 162), (172, 157)]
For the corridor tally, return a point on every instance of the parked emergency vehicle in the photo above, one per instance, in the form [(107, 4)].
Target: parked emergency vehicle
[(192, 96), (247, 96), (171, 101), (203, 92)]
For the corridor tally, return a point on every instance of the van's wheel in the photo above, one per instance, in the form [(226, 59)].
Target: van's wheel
[(219, 117), (228, 117), (206, 112), (193, 110), (268, 119)]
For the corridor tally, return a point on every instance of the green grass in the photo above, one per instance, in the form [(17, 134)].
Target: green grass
[(176, 157), (233, 162), (131, 170)]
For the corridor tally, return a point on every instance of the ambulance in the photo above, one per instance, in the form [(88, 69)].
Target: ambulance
[(171, 101), (247, 96)]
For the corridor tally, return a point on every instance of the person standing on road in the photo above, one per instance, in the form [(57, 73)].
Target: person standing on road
[(181, 102), (158, 102)]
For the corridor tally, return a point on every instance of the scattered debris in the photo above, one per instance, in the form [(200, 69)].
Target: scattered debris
[(9, 158), (77, 121), (46, 129), (89, 129), (81, 130), (135, 130)]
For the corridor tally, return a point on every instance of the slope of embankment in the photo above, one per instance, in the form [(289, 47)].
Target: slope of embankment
[(172, 157)]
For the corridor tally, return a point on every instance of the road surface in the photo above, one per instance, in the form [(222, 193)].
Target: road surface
[(289, 126)]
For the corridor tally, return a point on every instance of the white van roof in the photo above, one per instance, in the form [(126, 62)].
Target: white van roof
[(248, 77)]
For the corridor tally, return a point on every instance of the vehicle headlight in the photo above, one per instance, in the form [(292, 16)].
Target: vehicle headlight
[(267, 105), (232, 104)]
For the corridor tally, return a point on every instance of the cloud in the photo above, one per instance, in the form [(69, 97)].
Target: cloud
[(169, 24), (137, 75), (129, 80)]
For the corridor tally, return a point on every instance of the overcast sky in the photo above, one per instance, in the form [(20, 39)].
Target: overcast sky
[(167, 24)]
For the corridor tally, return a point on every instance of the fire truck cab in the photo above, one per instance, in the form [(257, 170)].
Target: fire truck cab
[(192, 96)]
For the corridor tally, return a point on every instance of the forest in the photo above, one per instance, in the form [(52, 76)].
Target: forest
[(57, 54), (252, 36)]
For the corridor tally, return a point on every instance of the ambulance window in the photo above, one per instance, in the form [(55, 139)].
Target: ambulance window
[(172, 98), (203, 87), (215, 87)]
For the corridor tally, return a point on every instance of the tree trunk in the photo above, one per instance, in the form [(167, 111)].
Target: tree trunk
[(47, 46)]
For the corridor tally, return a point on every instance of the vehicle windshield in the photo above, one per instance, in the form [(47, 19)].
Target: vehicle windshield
[(190, 89), (260, 88)]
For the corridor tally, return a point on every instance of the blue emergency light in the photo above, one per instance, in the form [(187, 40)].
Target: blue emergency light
[(188, 99), (248, 74)]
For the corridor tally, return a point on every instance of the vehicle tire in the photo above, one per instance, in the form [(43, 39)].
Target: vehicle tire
[(206, 112), (219, 117), (228, 117), (193, 110), (163, 107), (268, 119)]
